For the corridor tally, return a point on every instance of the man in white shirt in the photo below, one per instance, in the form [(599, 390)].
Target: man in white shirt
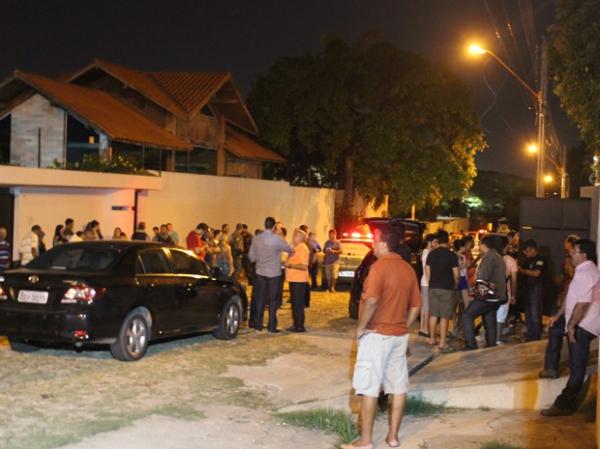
[(29, 248), (579, 319)]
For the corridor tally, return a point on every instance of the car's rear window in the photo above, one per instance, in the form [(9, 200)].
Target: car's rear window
[(68, 258), (355, 248)]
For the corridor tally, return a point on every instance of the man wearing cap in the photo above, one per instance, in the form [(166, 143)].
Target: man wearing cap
[(534, 270)]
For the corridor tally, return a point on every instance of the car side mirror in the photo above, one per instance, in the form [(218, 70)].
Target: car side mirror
[(215, 272)]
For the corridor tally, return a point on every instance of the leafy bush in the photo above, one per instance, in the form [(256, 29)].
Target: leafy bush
[(93, 162)]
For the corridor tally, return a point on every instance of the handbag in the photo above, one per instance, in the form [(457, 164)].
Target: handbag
[(484, 290)]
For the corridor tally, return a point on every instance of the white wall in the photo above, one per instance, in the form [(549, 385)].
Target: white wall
[(48, 207), (184, 200), (11, 176), (189, 199)]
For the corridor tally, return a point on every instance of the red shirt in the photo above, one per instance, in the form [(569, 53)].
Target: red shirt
[(194, 243)]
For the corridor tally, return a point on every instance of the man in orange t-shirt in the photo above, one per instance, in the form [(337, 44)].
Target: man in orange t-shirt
[(390, 303)]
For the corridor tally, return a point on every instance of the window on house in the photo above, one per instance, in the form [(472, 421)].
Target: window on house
[(128, 151), (206, 110), (199, 160), (5, 140), (153, 159), (81, 141)]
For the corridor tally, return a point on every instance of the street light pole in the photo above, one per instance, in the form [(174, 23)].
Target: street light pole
[(540, 101), (564, 176), (541, 110)]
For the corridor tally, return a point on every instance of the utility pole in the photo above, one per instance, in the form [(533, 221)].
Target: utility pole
[(564, 177), (539, 191)]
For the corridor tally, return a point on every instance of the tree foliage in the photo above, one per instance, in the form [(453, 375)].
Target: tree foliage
[(373, 118), (494, 195), (574, 58)]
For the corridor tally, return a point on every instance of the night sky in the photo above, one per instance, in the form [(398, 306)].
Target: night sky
[(245, 37)]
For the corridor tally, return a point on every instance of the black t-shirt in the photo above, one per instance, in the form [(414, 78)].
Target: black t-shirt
[(404, 252), (441, 261), (140, 235), (537, 262)]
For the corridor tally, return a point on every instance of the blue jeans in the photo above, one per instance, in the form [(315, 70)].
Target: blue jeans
[(225, 268), (555, 342), (533, 312), (487, 310), (578, 359)]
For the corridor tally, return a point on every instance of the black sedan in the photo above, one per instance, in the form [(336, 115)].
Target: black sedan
[(119, 293)]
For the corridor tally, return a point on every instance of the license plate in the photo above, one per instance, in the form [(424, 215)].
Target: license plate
[(346, 274), (33, 297)]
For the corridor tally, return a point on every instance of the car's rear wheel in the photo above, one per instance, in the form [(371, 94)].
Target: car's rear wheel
[(133, 339), (229, 321), (19, 345)]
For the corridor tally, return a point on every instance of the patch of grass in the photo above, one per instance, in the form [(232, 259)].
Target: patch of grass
[(417, 406), (484, 409), (326, 420), (499, 445)]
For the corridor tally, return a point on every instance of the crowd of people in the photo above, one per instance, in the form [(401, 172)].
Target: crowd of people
[(511, 279), (506, 279), (267, 260), (263, 257)]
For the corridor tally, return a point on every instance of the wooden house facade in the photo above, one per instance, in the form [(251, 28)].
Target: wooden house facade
[(175, 121)]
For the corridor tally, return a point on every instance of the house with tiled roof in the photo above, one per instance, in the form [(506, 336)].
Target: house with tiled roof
[(121, 146), (166, 121)]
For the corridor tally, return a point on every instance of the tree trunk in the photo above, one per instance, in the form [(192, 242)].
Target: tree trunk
[(346, 216)]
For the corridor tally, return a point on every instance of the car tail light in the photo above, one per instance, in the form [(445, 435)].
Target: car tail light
[(82, 294), (81, 335)]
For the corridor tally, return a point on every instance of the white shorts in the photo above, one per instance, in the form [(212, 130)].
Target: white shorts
[(381, 360), (502, 313)]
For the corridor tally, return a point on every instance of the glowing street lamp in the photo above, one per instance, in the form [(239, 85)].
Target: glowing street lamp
[(475, 49), (532, 149)]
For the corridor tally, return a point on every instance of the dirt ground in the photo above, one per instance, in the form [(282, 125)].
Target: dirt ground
[(199, 392), (57, 397)]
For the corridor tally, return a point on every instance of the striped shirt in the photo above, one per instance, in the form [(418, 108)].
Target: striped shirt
[(4, 255)]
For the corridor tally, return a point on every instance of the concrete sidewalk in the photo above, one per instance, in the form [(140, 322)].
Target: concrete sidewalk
[(470, 429)]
